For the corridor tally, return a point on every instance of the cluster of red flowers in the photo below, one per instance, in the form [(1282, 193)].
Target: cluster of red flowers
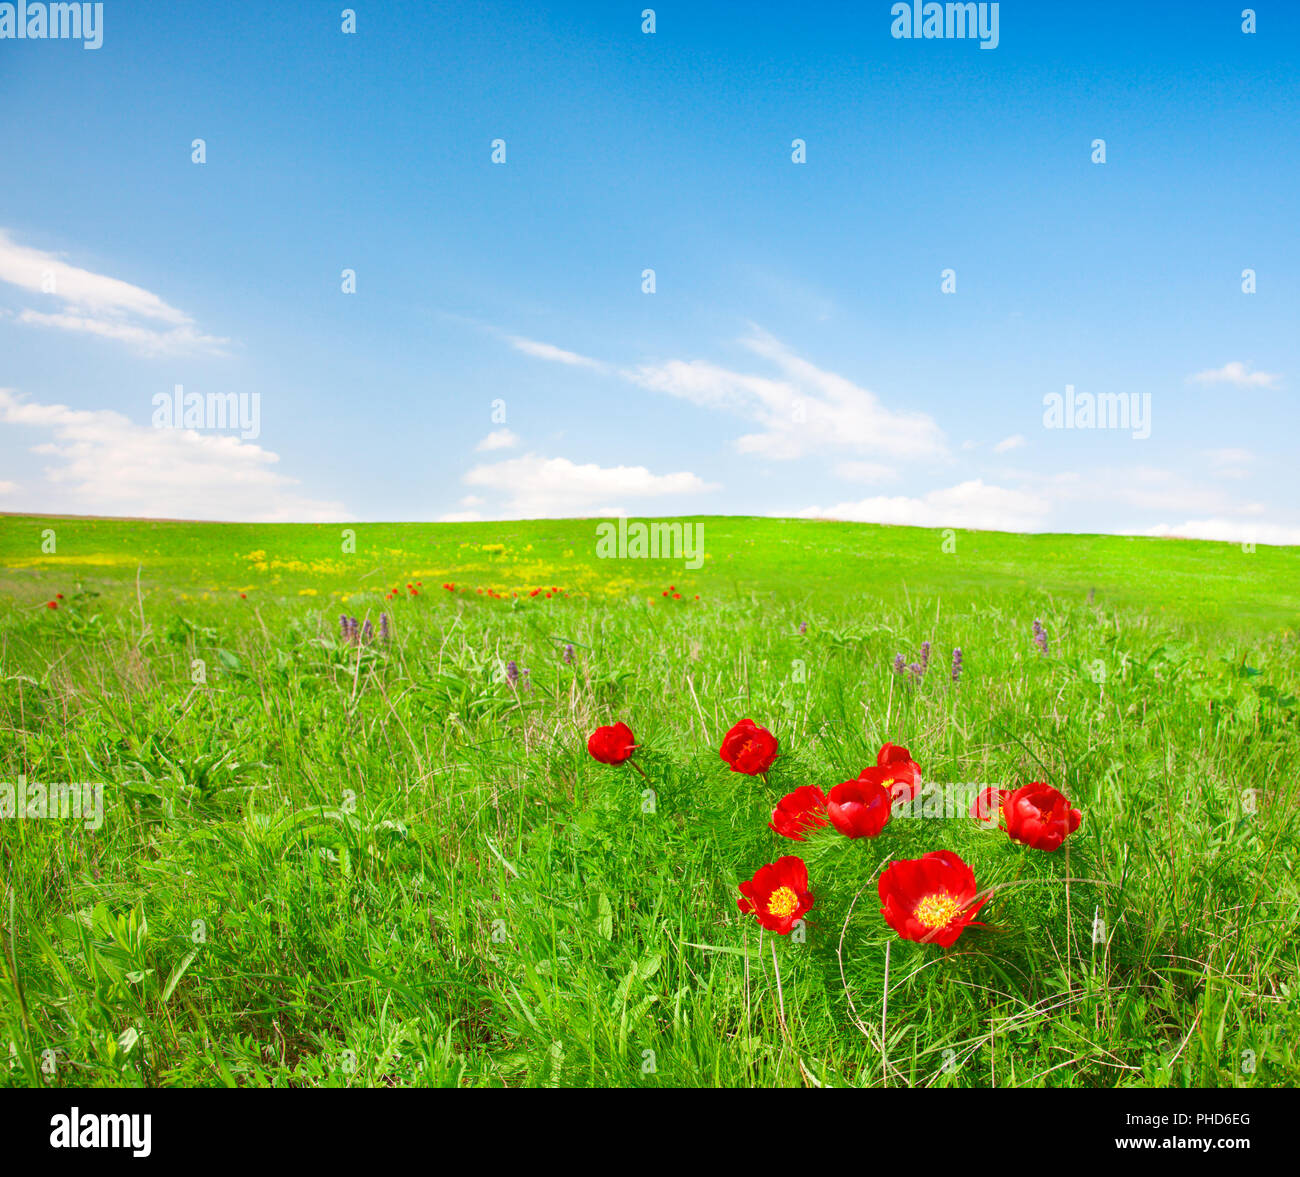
[(671, 591), (412, 590), (931, 899), (553, 591), (54, 604)]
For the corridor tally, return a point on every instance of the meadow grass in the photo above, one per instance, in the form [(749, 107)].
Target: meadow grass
[(323, 864)]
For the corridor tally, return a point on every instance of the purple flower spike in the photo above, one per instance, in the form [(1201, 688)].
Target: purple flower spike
[(956, 665), (568, 653), (383, 627), (512, 672), (1040, 636), (899, 665), (925, 657), (803, 628), (368, 632)]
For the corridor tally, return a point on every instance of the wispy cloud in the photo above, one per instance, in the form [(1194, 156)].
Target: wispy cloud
[(95, 304), (800, 411), (1237, 374), (548, 351), (102, 463), (1014, 442)]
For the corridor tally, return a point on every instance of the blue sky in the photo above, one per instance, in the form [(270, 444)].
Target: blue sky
[(797, 356)]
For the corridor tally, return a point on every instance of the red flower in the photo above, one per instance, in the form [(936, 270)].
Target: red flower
[(931, 899), (243, 596), (749, 748), (613, 744), (777, 894), (58, 596), (52, 604), (904, 777), (1039, 816), (799, 811), (986, 805), (859, 809), (677, 596)]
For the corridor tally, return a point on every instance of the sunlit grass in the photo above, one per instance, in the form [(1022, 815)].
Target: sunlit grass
[(324, 864)]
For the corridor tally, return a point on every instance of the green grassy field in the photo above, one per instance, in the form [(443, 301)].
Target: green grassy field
[(327, 864)]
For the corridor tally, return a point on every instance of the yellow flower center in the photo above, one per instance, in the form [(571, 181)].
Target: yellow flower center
[(935, 911), (783, 902)]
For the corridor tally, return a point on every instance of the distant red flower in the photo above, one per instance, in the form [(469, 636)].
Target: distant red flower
[(860, 808), (677, 596), (51, 604), (58, 596), (1039, 816), (749, 748), (665, 592), (931, 899), (243, 596), (904, 775), (777, 894), (612, 744), (804, 809)]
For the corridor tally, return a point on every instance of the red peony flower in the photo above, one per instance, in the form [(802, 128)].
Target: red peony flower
[(613, 744), (860, 808), (931, 899), (799, 811), (777, 894), (1039, 816), (904, 777), (749, 748)]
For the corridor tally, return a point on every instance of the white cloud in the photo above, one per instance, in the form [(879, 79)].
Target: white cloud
[(539, 487), (461, 517), (1014, 442), (498, 439), (8, 488), (548, 351), (1236, 373), (96, 304), (1236, 531), (804, 410), (971, 504), (101, 463)]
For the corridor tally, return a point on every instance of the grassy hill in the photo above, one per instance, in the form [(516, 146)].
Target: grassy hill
[(393, 862)]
